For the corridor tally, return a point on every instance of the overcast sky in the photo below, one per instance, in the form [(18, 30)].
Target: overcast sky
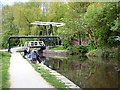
[(10, 2)]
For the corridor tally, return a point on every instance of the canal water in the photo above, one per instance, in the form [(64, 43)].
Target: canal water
[(87, 72)]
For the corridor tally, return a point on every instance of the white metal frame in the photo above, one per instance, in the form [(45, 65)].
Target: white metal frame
[(34, 43), (48, 23)]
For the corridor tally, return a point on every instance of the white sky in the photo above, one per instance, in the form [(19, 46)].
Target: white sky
[(11, 2)]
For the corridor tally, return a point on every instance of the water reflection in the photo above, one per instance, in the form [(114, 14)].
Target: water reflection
[(87, 73), (53, 63)]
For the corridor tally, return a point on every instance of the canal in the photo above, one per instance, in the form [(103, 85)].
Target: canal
[(87, 72)]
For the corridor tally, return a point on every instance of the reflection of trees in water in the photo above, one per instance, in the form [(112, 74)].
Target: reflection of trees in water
[(91, 74), (101, 76), (74, 65), (87, 73), (53, 63)]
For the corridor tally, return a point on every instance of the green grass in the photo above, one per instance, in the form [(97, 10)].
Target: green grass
[(50, 78), (58, 48), (95, 53), (4, 66)]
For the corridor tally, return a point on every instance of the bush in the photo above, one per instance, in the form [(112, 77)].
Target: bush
[(82, 49), (77, 50), (105, 54)]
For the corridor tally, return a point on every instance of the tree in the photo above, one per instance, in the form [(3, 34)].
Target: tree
[(9, 28), (73, 21), (100, 20)]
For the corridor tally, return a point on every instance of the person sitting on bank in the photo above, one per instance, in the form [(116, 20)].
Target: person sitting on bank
[(28, 50), (25, 53), (38, 57), (34, 56)]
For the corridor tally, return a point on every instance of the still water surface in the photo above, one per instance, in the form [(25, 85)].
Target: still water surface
[(87, 73)]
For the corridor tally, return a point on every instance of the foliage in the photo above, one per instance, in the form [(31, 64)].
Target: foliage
[(78, 50), (105, 53), (73, 22), (100, 19), (5, 57), (96, 21)]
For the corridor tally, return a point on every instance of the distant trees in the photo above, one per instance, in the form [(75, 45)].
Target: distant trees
[(98, 22)]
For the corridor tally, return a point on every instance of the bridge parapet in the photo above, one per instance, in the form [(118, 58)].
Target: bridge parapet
[(34, 43)]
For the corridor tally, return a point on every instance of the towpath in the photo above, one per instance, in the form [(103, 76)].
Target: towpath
[(23, 75)]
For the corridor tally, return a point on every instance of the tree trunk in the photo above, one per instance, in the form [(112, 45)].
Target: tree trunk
[(79, 38)]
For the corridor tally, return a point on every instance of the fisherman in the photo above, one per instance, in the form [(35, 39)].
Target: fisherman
[(34, 56), (25, 53)]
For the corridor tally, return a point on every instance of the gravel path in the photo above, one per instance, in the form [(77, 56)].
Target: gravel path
[(23, 75)]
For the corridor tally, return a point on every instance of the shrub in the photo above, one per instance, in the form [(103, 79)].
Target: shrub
[(77, 50), (105, 54), (82, 49)]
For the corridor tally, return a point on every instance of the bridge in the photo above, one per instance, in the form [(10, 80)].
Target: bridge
[(40, 46), (35, 44), (48, 34)]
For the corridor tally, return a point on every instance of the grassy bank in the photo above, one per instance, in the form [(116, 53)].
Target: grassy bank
[(105, 53), (4, 66), (50, 78)]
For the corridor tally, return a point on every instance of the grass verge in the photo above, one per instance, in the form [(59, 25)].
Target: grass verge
[(50, 78), (4, 66)]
